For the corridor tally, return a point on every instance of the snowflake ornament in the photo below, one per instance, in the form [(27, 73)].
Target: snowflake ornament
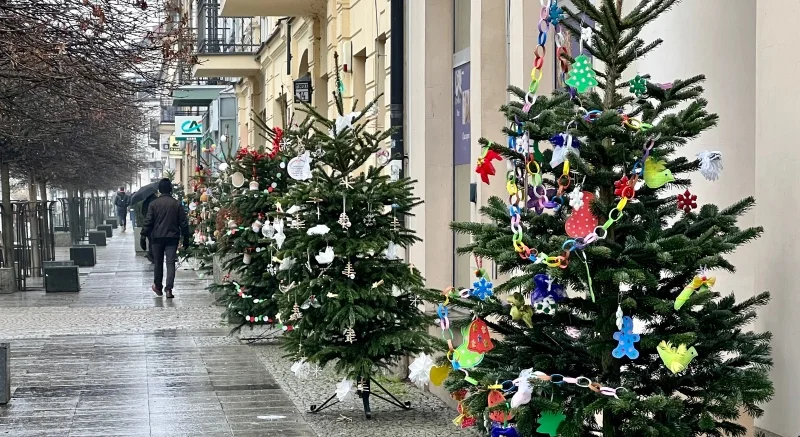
[(482, 289), (576, 198), (296, 314), (350, 335), (344, 220), (586, 34), (638, 86), (687, 201), (556, 14), (546, 306)]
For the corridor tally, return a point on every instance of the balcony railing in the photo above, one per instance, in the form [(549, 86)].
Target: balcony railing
[(222, 35)]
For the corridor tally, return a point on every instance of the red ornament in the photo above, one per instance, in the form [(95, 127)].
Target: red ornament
[(497, 398), (582, 223), (622, 188), (686, 201), (479, 339), (485, 168), (276, 143)]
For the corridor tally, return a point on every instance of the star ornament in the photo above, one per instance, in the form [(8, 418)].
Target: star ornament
[(549, 423)]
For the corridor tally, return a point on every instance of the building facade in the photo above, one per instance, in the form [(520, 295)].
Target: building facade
[(460, 55)]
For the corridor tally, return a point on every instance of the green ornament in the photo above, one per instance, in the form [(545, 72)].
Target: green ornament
[(582, 75), (549, 422), (340, 87), (638, 86)]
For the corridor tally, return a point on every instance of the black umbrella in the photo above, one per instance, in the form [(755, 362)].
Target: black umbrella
[(145, 192)]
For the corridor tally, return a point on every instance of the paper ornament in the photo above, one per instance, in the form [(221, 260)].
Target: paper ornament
[(286, 263), (581, 222), (420, 370), (325, 256), (499, 430), (391, 252), (524, 389), (546, 306), (294, 209), (301, 369), (318, 230), (576, 200), (626, 339), (299, 167), (687, 201), (343, 122), (343, 389), (237, 180), (545, 286), (279, 236), (549, 422), (581, 75), (700, 284), (676, 359), (656, 174), (463, 358), (563, 144), (438, 374), (710, 164), (479, 337), (482, 289), (496, 398), (256, 226), (485, 168), (222, 167)]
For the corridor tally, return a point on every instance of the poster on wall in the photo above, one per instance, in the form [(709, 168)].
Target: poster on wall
[(461, 115)]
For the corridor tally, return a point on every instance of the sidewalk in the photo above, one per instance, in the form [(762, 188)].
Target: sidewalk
[(114, 360)]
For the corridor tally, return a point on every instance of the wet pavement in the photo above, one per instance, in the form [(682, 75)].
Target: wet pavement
[(115, 360)]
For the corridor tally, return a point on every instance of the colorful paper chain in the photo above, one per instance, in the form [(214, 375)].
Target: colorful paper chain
[(558, 379)]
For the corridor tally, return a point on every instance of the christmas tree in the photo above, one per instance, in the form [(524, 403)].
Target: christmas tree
[(249, 232), (611, 322), (352, 300)]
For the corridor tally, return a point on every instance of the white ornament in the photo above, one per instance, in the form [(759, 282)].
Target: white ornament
[(246, 258), (343, 389), (299, 167), (301, 368), (576, 198), (279, 236), (237, 179), (326, 256), (523, 143), (268, 230), (710, 164), (524, 389), (293, 210), (619, 317), (546, 306), (192, 206), (256, 226), (344, 220), (350, 335), (286, 263), (391, 252), (344, 121), (223, 166), (420, 370), (318, 230), (253, 186), (560, 152)]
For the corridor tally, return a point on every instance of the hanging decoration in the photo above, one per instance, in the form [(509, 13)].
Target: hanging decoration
[(676, 359), (626, 339), (318, 230), (479, 339), (563, 144), (582, 222), (350, 335), (494, 399), (299, 167), (485, 168), (687, 201), (546, 306), (325, 256), (549, 422), (582, 76), (700, 284), (279, 236), (343, 389), (638, 86), (349, 271), (544, 287), (520, 310), (656, 173), (710, 164), (420, 370)]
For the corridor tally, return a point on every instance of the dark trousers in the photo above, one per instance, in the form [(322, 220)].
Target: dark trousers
[(122, 213), (164, 252)]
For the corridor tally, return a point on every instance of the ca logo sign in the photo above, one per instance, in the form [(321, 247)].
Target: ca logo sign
[(191, 127)]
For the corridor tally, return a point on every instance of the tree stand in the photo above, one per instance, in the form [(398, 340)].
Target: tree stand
[(363, 392)]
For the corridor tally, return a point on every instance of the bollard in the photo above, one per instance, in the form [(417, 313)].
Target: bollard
[(5, 374)]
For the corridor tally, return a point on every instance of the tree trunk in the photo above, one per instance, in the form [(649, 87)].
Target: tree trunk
[(74, 215), (33, 223), (8, 217)]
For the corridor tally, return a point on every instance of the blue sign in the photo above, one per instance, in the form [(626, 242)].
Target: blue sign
[(462, 128)]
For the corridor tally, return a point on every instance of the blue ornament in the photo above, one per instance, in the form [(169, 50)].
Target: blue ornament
[(560, 140), (545, 286), (499, 430), (556, 14), (482, 289), (626, 339)]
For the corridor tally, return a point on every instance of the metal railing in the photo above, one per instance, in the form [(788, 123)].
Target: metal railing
[(167, 114), (219, 35), (33, 239)]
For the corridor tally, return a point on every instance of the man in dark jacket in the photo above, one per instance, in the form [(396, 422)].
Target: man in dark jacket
[(145, 207), (121, 202), (165, 224)]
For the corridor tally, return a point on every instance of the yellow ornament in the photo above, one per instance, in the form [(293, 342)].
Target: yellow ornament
[(676, 359), (656, 174), (439, 374), (204, 197)]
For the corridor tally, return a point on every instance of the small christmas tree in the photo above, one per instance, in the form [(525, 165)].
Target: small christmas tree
[(249, 232), (352, 301), (596, 243)]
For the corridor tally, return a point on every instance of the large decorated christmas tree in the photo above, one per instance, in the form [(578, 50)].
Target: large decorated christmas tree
[(611, 321), (352, 300), (249, 231)]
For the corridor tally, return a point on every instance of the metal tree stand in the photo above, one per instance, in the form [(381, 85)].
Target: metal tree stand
[(363, 392)]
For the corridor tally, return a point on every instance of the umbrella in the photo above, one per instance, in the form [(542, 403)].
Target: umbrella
[(144, 192)]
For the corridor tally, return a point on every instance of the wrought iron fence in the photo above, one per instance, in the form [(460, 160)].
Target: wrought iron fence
[(219, 35)]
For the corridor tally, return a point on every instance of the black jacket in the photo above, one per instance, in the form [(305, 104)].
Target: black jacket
[(166, 218), (121, 201)]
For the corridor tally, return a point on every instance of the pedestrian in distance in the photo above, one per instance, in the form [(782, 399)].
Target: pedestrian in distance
[(145, 207), (121, 202), (166, 223)]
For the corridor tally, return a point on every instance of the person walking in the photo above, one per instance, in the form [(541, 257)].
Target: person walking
[(165, 224), (145, 208), (121, 201)]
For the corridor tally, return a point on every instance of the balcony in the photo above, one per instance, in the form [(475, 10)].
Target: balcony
[(274, 8), (226, 46)]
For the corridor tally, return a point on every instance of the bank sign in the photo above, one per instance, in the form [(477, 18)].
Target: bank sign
[(188, 126)]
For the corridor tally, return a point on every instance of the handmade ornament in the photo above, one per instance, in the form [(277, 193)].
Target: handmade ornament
[(563, 144), (350, 335), (318, 230), (349, 271), (296, 314), (204, 197), (656, 173), (267, 230), (638, 86), (539, 198), (676, 359), (299, 167), (572, 332), (485, 168), (300, 368), (325, 256), (294, 209), (222, 167), (496, 398), (524, 389), (499, 430), (700, 284), (256, 226), (619, 316), (687, 201), (253, 185), (581, 75), (576, 198), (344, 220), (482, 289), (479, 338), (311, 302), (343, 389), (391, 252), (626, 339), (622, 187), (544, 287), (438, 374), (246, 258), (297, 223), (237, 179), (582, 222), (344, 122), (279, 236), (710, 164), (519, 310), (463, 358), (546, 306), (549, 422), (420, 370), (395, 224)]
